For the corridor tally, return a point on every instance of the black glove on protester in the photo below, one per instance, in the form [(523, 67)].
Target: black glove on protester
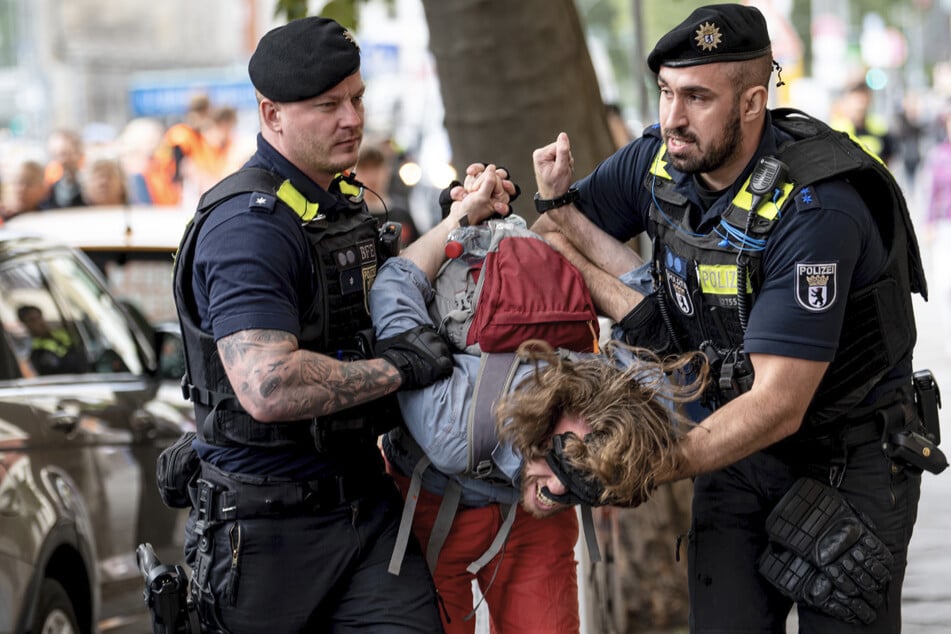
[(420, 354), (824, 555)]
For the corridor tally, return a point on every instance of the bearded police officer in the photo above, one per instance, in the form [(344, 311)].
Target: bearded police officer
[(785, 253), (293, 518)]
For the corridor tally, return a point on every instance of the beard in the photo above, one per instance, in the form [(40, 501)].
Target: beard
[(719, 152)]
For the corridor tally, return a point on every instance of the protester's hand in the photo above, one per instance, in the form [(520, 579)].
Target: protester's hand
[(488, 198), (420, 354), (503, 192), (554, 167), (504, 186)]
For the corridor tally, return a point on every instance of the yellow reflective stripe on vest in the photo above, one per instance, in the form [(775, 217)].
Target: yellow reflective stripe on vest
[(659, 165), (58, 342), (768, 208), (348, 189), (307, 210), (296, 201), (719, 279)]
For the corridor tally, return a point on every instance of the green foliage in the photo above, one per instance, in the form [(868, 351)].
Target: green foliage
[(346, 12)]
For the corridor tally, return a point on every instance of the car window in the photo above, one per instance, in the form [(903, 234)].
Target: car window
[(59, 319), (43, 341), (147, 284), (102, 324)]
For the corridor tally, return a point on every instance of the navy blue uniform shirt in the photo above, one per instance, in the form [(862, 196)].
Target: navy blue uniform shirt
[(834, 227), (254, 271)]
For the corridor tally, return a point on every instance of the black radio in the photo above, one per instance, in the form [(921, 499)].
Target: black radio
[(389, 241)]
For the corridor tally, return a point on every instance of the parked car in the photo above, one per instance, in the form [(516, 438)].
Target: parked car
[(83, 418), (134, 248)]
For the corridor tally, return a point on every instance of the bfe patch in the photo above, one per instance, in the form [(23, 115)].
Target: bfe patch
[(816, 286)]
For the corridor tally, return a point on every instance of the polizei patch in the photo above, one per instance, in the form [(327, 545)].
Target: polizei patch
[(816, 286)]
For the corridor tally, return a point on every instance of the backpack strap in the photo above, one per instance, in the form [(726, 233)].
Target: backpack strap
[(494, 378), (498, 542), (443, 523), (406, 520)]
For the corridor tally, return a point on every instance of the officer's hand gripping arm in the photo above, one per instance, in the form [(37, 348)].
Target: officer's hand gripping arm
[(420, 354)]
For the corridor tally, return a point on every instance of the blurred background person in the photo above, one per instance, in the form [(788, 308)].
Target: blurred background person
[(909, 130), (375, 170), (24, 190), (135, 145), (937, 189), (104, 183), (852, 113), (620, 132), (211, 159), (65, 148), (165, 172)]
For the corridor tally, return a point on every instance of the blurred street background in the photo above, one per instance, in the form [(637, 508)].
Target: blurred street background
[(119, 73), (450, 82)]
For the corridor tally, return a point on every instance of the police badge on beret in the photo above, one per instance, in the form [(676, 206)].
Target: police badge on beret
[(713, 33)]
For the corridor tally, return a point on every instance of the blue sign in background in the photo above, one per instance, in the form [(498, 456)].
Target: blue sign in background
[(160, 99)]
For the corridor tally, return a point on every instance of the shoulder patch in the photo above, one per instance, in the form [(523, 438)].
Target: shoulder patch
[(816, 285), (261, 202), (806, 199)]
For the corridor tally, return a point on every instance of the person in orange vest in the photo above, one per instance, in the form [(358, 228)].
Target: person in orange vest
[(165, 173)]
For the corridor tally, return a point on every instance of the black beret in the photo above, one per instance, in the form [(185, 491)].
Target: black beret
[(713, 33), (302, 59)]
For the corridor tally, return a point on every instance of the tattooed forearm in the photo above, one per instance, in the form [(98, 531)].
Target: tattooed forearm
[(274, 380)]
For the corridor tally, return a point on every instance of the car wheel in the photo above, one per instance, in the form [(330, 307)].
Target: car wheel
[(54, 613)]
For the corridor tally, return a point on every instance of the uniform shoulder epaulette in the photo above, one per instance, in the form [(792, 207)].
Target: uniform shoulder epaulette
[(262, 202)]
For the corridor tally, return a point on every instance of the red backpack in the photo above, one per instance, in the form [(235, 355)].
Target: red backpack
[(520, 289)]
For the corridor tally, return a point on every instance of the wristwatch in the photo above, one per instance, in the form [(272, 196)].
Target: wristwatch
[(547, 204)]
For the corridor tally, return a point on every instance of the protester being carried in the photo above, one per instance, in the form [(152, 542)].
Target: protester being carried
[(585, 429)]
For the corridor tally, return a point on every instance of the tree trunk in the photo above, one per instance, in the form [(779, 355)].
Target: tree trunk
[(641, 586), (512, 76)]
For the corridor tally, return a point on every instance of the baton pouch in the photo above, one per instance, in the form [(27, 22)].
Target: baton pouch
[(176, 467)]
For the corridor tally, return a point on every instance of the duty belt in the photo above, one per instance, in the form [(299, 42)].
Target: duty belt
[(221, 496), (859, 428)]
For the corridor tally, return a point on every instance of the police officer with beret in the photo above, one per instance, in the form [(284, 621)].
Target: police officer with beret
[(293, 519), (784, 252)]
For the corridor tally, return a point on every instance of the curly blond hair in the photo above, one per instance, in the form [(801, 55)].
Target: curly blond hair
[(633, 411)]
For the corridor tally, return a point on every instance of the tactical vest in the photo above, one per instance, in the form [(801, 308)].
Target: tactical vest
[(344, 256), (699, 274)]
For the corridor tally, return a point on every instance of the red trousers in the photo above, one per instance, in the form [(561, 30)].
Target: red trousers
[(535, 585)]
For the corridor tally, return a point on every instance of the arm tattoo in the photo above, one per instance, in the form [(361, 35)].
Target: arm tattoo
[(275, 378)]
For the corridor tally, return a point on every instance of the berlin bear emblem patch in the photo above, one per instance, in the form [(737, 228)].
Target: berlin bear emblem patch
[(816, 286)]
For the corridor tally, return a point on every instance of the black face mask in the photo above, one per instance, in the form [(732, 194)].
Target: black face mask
[(581, 487)]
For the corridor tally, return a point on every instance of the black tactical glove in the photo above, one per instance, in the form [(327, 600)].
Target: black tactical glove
[(420, 354), (802, 582), (816, 523)]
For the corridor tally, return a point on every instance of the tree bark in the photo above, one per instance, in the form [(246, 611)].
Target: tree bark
[(512, 76)]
